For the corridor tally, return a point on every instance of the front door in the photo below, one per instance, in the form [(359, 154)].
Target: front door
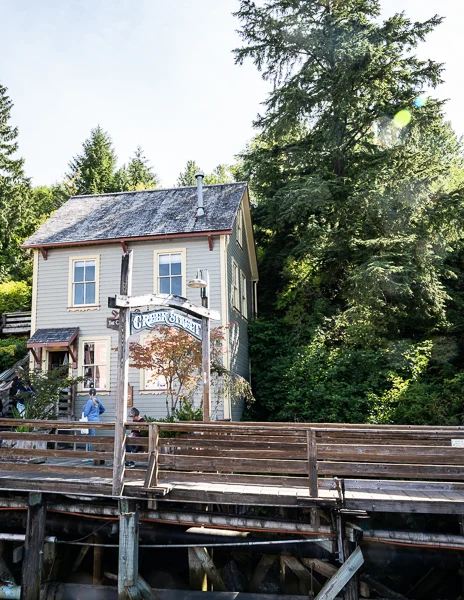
[(58, 359)]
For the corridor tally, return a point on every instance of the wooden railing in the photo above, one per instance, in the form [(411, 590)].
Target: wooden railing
[(16, 322), (261, 454), (295, 455)]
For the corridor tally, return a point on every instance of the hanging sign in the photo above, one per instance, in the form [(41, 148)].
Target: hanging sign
[(113, 322), (161, 316)]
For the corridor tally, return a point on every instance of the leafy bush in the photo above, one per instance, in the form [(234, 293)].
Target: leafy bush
[(11, 350), (47, 386), (322, 380), (424, 401), (15, 295)]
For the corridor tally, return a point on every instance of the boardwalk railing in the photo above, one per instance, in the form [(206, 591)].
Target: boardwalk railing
[(304, 456), (16, 322), (295, 455)]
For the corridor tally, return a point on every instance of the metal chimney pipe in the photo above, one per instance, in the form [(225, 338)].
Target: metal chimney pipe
[(199, 177)]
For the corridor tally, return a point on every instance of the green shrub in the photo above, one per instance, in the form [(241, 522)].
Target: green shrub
[(15, 295), (11, 350)]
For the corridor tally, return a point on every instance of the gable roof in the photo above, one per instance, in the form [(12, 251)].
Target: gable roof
[(140, 214)]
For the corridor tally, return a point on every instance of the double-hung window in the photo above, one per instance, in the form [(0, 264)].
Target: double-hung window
[(243, 295), (83, 285), (239, 227), (170, 273), (94, 367), (235, 286), (150, 380)]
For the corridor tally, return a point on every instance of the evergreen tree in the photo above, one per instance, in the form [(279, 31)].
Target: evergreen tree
[(92, 171), (360, 197), (14, 194), (221, 174), (187, 176), (136, 175)]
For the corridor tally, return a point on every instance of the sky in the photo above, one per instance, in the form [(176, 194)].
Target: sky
[(155, 73)]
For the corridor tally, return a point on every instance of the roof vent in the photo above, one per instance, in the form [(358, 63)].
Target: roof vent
[(199, 177)]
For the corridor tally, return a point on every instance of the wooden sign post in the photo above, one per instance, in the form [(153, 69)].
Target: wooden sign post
[(122, 376), (124, 302)]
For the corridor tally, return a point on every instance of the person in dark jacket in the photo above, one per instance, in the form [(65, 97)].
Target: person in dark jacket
[(136, 418), (93, 408)]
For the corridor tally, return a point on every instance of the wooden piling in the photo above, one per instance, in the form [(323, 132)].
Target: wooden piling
[(33, 548), (312, 462), (128, 564), (197, 574)]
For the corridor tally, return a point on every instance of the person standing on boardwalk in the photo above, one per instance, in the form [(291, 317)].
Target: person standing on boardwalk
[(93, 408), (136, 418)]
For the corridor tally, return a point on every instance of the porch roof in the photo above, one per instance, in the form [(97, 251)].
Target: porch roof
[(57, 336)]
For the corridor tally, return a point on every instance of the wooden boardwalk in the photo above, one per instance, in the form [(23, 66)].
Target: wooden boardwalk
[(368, 468)]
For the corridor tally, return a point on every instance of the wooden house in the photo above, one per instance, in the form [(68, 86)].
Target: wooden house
[(173, 233)]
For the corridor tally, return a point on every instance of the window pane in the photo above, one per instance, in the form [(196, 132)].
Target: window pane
[(163, 264), (164, 286), (78, 293), (90, 270), (89, 379), (176, 286), (89, 293), (100, 353), (100, 377), (176, 265), (79, 270), (89, 353), (153, 381)]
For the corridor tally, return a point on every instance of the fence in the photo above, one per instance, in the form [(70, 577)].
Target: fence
[(16, 322), (264, 454)]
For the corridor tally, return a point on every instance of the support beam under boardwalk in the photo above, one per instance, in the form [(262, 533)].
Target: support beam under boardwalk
[(33, 548), (128, 565)]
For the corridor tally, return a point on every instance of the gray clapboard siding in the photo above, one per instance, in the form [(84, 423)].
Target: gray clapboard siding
[(52, 300), (239, 359)]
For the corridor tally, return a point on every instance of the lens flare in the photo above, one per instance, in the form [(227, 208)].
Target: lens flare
[(420, 101), (402, 118)]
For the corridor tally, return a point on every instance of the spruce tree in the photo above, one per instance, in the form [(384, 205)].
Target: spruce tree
[(136, 175), (359, 183), (14, 194), (187, 176), (92, 171)]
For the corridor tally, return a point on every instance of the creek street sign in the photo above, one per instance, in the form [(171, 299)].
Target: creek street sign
[(161, 316)]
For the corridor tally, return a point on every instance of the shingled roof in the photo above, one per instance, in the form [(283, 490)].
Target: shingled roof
[(140, 214)]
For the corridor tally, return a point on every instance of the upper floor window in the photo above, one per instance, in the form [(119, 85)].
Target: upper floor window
[(83, 286), (170, 272), (235, 286), (243, 297), (239, 227)]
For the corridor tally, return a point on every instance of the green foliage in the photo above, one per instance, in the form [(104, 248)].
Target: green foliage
[(92, 171), (187, 176), (11, 350), (15, 295), (359, 219), (221, 174), (15, 207), (47, 385), (136, 175)]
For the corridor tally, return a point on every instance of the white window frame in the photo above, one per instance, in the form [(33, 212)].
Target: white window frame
[(77, 307), (243, 295), (144, 375), (183, 261), (239, 227), (235, 286), (80, 362)]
